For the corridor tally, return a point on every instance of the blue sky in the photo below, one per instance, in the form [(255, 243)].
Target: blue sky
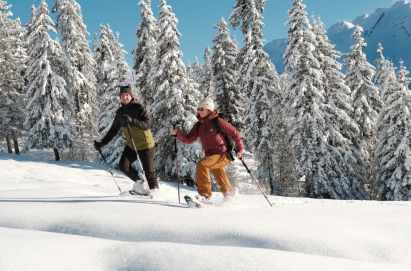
[(197, 18)]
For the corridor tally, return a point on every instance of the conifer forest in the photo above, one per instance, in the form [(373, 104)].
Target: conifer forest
[(330, 125)]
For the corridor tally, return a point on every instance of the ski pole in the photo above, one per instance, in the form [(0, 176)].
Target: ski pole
[(249, 172), (110, 171), (176, 152), (134, 146)]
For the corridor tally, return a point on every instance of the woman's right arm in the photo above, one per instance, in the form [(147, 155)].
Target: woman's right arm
[(190, 137)]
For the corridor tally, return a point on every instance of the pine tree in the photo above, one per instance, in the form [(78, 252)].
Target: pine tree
[(402, 75), (305, 98), (206, 77), (227, 95), (145, 51), (29, 28), (69, 23), (385, 74), (366, 98), (48, 100), (197, 69), (393, 152), (189, 70), (175, 100), (260, 84), (343, 133), (110, 76), (12, 65), (120, 70)]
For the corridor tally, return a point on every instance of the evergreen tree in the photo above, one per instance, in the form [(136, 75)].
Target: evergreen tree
[(69, 23), (260, 84), (197, 69), (343, 133), (305, 98), (385, 74), (206, 77), (12, 65), (393, 152), (366, 98), (29, 27), (107, 55), (227, 95), (120, 70), (402, 75), (175, 100), (48, 100), (145, 52), (189, 70)]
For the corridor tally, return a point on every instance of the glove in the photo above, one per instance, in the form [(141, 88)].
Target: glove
[(127, 119), (98, 145)]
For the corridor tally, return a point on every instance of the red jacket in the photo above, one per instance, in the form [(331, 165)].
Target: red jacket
[(213, 143)]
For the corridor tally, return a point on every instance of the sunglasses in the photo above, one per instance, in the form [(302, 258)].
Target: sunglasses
[(201, 109)]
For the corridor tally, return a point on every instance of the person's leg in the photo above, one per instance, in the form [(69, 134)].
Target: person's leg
[(147, 159), (203, 174), (218, 170), (127, 158)]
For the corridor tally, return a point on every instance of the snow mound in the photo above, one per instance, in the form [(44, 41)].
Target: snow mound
[(70, 216)]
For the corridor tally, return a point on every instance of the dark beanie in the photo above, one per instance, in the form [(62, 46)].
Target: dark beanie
[(126, 89)]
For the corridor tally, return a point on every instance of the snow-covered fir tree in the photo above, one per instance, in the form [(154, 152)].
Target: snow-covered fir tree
[(366, 101), (120, 70), (69, 23), (260, 83), (13, 57), (189, 70), (111, 74), (393, 151), (48, 100), (348, 168), (402, 75), (196, 71), (305, 98), (384, 76), (29, 27), (227, 95), (145, 51), (175, 100), (206, 77)]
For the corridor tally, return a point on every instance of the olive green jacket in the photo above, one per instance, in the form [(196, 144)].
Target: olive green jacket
[(139, 126)]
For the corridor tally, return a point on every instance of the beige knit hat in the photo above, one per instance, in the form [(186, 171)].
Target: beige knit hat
[(207, 103)]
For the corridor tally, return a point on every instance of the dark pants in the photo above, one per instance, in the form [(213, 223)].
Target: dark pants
[(147, 159)]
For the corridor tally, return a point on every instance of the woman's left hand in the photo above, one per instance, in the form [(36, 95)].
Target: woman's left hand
[(239, 155)]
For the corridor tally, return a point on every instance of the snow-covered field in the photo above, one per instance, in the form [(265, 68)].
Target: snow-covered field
[(69, 216)]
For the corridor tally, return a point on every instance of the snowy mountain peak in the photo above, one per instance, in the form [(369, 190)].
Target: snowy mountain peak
[(389, 26)]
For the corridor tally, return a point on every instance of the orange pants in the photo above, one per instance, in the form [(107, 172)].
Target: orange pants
[(216, 164)]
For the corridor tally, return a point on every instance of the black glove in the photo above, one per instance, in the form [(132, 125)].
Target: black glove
[(127, 119), (98, 145)]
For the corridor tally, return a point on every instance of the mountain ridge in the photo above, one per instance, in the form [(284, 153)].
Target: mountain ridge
[(389, 26)]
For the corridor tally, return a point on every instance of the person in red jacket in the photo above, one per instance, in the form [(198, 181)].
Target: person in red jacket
[(215, 149)]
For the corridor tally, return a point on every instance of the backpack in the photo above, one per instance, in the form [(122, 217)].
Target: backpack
[(228, 140)]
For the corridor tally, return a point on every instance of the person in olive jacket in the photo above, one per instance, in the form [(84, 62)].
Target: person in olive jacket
[(132, 112)]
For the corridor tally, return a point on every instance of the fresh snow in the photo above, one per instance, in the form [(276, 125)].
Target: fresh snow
[(69, 216)]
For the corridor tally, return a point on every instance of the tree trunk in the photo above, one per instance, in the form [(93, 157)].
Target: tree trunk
[(56, 154), (9, 144), (16, 145)]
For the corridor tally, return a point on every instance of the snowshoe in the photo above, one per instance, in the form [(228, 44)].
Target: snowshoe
[(134, 193), (197, 201), (141, 188)]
